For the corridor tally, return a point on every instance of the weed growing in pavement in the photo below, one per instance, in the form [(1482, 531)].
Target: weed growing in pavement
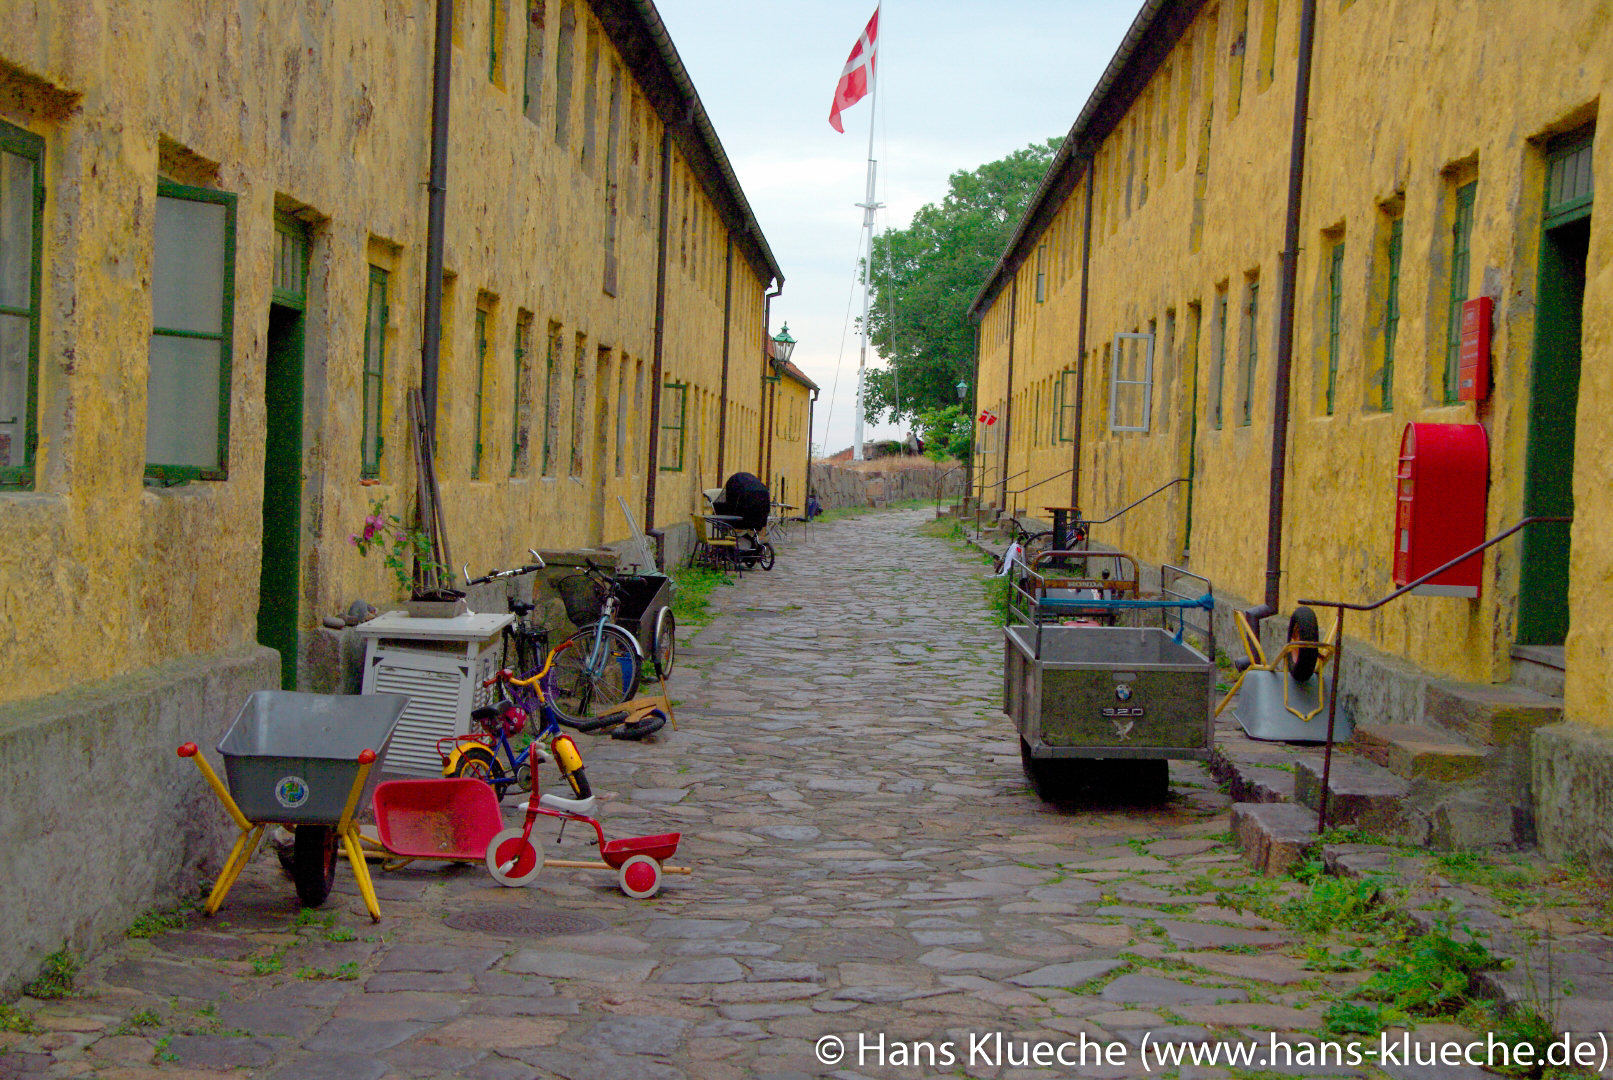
[(346, 971), (1359, 1018), (1321, 958), (56, 976), (139, 1021), (160, 921), (691, 593), (1337, 904), (1428, 975), (268, 965), (14, 1020), (998, 592)]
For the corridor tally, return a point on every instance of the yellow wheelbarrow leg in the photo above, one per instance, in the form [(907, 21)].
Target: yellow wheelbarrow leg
[(351, 841), (240, 855)]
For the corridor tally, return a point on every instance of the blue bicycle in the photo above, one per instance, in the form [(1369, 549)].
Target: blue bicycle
[(598, 667)]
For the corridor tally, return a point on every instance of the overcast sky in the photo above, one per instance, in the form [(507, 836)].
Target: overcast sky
[(960, 84)]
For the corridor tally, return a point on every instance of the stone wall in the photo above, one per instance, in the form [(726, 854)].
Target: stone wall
[(838, 487)]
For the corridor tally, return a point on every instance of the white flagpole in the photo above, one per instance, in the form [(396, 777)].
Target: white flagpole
[(869, 206)]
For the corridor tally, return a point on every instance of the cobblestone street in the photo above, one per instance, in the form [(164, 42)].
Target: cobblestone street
[(868, 859)]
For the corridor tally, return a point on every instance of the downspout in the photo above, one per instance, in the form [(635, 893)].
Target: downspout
[(806, 474), (727, 325), (761, 404), (770, 388), (974, 423), (436, 211), (1081, 341), (1008, 394), (652, 468), (1285, 317)]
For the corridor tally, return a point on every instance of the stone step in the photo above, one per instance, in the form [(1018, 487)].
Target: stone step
[(1415, 752), (1540, 668), (1359, 793), (1501, 715), (1273, 836), (1253, 772)]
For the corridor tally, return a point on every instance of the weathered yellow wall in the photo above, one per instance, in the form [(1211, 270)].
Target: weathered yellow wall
[(326, 113), (1405, 101), (788, 475)]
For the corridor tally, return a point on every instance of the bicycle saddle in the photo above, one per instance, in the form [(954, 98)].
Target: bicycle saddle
[(551, 801)]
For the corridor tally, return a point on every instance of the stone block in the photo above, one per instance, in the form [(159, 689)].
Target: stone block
[(1413, 751), (1476, 819), (1359, 793), (1572, 781), (1272, 836), (1490, 715)]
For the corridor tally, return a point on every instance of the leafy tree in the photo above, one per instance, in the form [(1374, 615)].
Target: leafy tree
[(926, 275), (946, 432)]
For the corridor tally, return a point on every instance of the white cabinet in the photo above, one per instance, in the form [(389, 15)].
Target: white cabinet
[(440, 664)]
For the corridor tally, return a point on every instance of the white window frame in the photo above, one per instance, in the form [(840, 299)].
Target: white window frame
[(1116, 382)]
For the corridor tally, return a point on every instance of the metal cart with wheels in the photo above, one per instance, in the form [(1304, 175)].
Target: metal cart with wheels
[(1084, 690)]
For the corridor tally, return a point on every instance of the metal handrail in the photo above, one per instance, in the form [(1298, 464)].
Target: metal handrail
[(937, 490), (1039, 483), (1338, 636), (1139, 502)]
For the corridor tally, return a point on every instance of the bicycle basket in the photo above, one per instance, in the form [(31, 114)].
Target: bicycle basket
[(583, 596)]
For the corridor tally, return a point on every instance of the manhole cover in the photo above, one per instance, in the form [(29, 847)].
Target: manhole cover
[(524, 923)]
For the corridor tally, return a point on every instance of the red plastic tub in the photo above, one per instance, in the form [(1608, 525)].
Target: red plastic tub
[(437, 819), (660, 848)]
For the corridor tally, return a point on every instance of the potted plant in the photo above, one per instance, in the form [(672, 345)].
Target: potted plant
[(404, 548)]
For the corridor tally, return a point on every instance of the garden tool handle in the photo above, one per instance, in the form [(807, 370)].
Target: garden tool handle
[(366, 761), (190, 750)]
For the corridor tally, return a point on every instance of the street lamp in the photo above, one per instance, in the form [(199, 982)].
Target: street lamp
[(963, 390), (783, 345)]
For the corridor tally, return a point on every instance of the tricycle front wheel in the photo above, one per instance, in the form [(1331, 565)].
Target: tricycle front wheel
[(514, 857)]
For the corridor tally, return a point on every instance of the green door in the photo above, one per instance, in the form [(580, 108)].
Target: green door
[(1554, 396), (279, 585)]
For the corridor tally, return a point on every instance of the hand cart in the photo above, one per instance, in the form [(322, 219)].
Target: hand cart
[(1078, 686), (307, 761)]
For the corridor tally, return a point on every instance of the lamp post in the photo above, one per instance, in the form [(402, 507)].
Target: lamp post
[(783, 346)]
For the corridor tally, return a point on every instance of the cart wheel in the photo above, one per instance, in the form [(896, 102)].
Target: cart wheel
[(1302, 627), (478, 763), (766, 558), (640, 877), (664, 646), (314, 867), (1053, 780), (512, 859)]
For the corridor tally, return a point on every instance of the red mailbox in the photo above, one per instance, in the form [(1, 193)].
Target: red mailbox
[(1441, 489)]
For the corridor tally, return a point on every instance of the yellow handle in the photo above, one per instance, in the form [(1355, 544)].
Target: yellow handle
[(189, 750), (366, 762)]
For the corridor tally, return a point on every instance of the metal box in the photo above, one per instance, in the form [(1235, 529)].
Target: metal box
[(1107, 692)]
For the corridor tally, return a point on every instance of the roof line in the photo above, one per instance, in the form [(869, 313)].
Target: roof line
[(1072, 153), (657, 31)]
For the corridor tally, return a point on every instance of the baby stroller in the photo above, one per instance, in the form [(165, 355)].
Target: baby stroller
[(741, 511)]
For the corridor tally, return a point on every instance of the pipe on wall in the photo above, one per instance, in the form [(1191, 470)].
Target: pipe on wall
[(652, 468), (727, 336), (1285, 316), (1081, 341), (761, 405), (436, 211), (1008, 394)]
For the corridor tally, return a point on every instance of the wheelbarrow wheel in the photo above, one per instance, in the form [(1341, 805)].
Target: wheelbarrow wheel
[(640, 877), (314, 864), (1302, 626), (514, 858)]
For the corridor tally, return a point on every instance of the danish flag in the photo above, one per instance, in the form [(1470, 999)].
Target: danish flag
[(988, 417), (857, 74)]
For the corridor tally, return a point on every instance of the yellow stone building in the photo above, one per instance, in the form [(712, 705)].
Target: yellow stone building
[(1130, 334), (213, 255)]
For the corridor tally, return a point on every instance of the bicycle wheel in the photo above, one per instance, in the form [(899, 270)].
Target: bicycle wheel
[(664, 646), (524, 649), (478, 763), (575, 692), (766, 558)]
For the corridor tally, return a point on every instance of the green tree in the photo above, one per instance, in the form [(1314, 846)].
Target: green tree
[(926, 275)]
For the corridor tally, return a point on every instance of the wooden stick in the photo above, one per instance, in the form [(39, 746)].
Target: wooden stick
[(578, 864)]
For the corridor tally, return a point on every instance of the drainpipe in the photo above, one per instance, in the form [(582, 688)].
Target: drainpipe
[(436, 211), (770, 389), (806, 475), (727, 325), (1081, 341), (1285, 317), (1008, 394), (652, 468), (761, 404), (974, 425)]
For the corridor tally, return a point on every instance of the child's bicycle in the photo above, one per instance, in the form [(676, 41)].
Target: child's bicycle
[(478, 755)]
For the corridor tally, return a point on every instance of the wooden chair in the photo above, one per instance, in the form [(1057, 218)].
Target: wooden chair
[(713, 548)]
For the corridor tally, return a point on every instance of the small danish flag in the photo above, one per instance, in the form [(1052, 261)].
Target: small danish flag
[(858, 73), (988, 417)]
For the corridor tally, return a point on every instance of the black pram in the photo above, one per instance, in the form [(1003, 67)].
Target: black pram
[(745, 497)]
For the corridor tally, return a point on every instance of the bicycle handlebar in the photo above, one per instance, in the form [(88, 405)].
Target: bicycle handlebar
[(494, 575)]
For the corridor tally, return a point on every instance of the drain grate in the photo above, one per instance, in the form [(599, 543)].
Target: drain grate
[(524, 923)]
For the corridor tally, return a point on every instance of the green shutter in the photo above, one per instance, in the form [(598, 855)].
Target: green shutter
[(375, 324), (481, 379), (192, 335), (1391, 318), (22, 215), (1461, 246), (518, 430), (674, 413), (289, 282), (1335, 295), (1218, 370), (1252, 356), (1569, 183)]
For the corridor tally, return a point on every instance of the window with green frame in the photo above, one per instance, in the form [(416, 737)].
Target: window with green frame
[(481, 392), (375, 323), (22, 209), (192, 329), (1218, 365), (494, 18), (1064, 405), (521, 398), (1461, 246), (674, 414), (1335, 297), (551, 403), (1391, 317), (1251, 353), (532, 79)]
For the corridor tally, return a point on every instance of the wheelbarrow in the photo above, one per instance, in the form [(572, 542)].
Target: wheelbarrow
[(305, 761), (515, 856)]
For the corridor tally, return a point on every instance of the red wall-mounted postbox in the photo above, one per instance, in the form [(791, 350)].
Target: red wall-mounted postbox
[(1473, 361), (1441, 489)]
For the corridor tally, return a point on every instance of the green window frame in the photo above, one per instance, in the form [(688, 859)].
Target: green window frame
[(1041, 273), (1570, 183), (551, 429), (187, 398), (288, 284), (674, 403), (1335, 297), (1251, 356), (521, 414), (1391, 316), (1218, 370), (22, 228), (481, 394), (376, 317), (1064, 405), (492, 39), (1461, 250)]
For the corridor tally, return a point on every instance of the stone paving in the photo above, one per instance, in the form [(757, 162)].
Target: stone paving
[(869, 866)]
